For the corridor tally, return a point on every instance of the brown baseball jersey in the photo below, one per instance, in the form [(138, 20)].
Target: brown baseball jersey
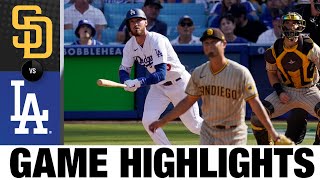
[(223, 93), (297, 69)]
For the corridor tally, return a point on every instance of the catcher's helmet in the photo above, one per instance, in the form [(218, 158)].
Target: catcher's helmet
[(134, 13), (293, 16)]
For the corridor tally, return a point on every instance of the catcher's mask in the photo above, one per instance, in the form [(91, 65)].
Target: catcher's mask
[(293, 33), (134, 13)]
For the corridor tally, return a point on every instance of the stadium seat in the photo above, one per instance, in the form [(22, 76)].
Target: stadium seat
[(119, 9), (66, 5), (114, 20), (97, 4), (199, 31), (182, 9), (172, 33), (172, 20), (69, 36), (109, 35)]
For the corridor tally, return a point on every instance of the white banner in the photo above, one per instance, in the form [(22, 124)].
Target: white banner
[(155, 162)]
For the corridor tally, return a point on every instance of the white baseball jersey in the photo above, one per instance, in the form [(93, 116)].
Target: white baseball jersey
[(224, 94), (156, 50), (194, 41)]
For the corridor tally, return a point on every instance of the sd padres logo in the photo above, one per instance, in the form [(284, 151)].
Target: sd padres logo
[(27, 27)]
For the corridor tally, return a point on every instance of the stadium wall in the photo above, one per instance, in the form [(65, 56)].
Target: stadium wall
[(85, 64)]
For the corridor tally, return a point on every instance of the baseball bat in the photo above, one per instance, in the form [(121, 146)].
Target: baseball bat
[(109, 83)]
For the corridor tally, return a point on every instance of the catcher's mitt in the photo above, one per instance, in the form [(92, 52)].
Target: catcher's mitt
[(283, 140)]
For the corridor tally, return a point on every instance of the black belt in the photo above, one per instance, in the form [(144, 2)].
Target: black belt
[(224, 127), (169, 83)]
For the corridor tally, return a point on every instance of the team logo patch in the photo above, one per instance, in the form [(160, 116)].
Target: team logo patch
[(159, 53), (210, 32), (291, 61), (132, 12), (249, 88)]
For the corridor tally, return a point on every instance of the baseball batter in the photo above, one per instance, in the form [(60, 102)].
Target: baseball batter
[(292, 65), (224, 87), (168, 77)]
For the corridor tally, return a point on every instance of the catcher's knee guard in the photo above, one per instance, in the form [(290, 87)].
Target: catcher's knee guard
[(259, 131), (297, 125), (317, 109), (317, 138)]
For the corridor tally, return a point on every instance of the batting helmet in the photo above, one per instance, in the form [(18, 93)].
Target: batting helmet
[(293, 16), (134, 13), (88, 23)]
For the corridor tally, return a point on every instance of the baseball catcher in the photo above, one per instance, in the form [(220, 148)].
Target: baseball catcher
[(292, 65)]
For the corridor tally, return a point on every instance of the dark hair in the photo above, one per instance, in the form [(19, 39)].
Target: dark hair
[(238, 9), (227, 16), (224, 8), (276, 13)]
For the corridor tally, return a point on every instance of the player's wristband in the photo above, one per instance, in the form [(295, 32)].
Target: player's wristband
[(278, 88)]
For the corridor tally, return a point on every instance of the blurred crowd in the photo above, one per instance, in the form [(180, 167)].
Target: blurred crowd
[(242, 21)]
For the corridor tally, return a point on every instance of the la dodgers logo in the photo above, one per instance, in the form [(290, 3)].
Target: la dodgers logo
[(31, 100), (132, 12)]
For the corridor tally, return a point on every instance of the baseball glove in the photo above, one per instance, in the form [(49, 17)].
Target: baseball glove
[(283, 140)]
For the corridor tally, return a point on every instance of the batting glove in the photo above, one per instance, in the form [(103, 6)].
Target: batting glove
[(133, 83), (130, 89)]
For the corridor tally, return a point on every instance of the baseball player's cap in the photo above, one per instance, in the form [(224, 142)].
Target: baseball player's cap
[(85, 22), (214, 33), (153, 2), (183, 19)]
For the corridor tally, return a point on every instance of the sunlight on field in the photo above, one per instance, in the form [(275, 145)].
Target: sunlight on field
[(101, 133)]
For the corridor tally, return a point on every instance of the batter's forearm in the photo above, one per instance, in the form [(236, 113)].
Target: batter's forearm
[(124, 73), (155, 77), (123, 76)]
